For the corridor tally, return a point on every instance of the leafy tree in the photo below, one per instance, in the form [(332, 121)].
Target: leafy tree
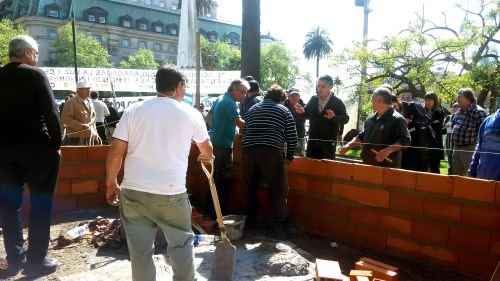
[(250, 38), (203, 7), (7, 31), (278, 66), (89, 52), (317, 45), (219, 55), (144, 59)]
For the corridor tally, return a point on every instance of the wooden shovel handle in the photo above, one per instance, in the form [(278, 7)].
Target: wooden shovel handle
[(213, 191)]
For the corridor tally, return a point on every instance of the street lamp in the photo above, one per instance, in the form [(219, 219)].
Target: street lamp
[(366, 10)]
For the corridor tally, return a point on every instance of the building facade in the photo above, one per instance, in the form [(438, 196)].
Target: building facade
[(121, 26)]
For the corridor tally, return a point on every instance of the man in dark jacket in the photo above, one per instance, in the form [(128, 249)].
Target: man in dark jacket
[(300, 120), (29, 154), (385, 133), (326, 113)]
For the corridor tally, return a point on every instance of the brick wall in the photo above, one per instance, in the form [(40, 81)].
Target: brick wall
[(450, 221)]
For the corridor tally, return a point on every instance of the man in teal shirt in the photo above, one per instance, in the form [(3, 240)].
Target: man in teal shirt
[(223, 119)]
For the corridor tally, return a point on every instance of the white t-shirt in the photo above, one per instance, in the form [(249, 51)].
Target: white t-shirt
[(101, 110), (159, 133)]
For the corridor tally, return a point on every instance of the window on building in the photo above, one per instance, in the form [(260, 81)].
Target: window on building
[(148, 2), (212, 38), (53, 13), (173, 31), (159, 29), (98, 38), (96, 14), (229, 40), (161, 4), (91, 18), (174, 6), (102, 20), (52, 33), (236, 41), (172, 49), (142, 44), (126, 42), (143, 26), (52, 55), (126, 23), (157, 47)]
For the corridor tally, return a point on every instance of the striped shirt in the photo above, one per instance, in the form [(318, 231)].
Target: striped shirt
[(270, 124), (466, 125)]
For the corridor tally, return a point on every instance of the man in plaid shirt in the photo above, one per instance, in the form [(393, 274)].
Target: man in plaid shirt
[(465, 123)]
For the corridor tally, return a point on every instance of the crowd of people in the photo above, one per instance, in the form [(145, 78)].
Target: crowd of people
[(156, 136)]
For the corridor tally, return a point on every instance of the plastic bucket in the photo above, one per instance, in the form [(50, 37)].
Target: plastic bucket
[(234, 226)]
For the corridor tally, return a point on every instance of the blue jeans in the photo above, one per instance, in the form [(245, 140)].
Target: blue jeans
[(141, 213), (38, 167)]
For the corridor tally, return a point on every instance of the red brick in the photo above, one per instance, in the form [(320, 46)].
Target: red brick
[(297, 183), (479, 266), (293, 200), (337, 211), (435, 184), (344, 231), (394, 223), (430, 231), (495, 245), (74, 153), (364, 216), (84, 186), (442, 210), (406, 203), (497, 193), (92, 169), (372, 238), (99, 152), (62, 205), (95, 201), (474, 189), (63, 188), (308, 166), (469, 239), (402, 179), (319, 187), (368, 174), (68, 171), (340, 170), (345, 191), (373, 197), (402, 246), (442, 256), (481, 216), (313, 205)]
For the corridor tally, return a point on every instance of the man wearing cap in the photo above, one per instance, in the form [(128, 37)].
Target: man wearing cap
[(79, 117), (252, 98), (300, 120)]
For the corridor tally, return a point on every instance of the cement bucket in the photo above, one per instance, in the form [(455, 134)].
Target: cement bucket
[(234, 226)]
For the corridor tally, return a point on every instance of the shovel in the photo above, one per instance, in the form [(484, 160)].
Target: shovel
[(223, 262)]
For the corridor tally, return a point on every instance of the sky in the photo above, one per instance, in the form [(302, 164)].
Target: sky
[(289, 21)]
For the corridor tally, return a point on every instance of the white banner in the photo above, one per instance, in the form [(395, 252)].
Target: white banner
[(135, 80)]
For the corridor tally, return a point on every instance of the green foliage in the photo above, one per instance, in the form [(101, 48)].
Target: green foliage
[(89, 52), (278, 65), (7, 31), (143, 60), (219, 55)]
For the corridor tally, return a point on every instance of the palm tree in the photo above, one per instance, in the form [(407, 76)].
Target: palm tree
[(250, 39), (203, 7), (317, 45)]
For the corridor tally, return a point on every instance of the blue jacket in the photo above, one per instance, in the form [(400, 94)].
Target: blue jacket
[(486, 158)]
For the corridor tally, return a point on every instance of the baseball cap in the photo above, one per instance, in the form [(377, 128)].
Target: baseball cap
[(293, 91), (254, 86), (82, 84)]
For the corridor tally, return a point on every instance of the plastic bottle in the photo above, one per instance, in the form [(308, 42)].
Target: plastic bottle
[(78, 231)]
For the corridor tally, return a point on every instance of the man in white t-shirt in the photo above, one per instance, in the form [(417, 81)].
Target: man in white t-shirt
[(101, 111), (155, 135)]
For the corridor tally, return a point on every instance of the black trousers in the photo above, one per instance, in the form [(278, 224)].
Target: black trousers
[(101, 130), (223, 169), (269, 163), (321, 149), (38, 167)]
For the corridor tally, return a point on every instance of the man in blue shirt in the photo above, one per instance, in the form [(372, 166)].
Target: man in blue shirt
[(223, 119), (485, 161)]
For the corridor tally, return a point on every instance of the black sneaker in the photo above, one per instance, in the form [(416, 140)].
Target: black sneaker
[(46, 267), (14, 268)]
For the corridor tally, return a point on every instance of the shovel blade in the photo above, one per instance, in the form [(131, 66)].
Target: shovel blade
[(223, 262)]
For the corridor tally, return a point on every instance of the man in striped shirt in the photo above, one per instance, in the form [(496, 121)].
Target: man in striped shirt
[(465, 125), (268, 127)]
